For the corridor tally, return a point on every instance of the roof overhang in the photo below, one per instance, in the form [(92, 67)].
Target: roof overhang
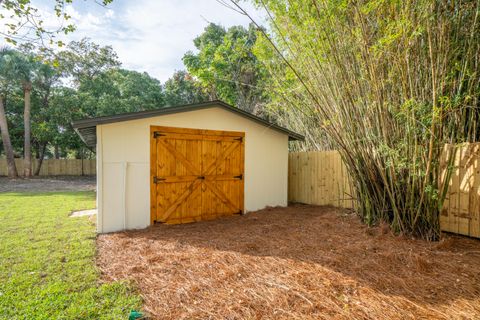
[(86, 128)]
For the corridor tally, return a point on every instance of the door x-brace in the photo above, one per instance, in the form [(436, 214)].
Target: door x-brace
[(207, 177)]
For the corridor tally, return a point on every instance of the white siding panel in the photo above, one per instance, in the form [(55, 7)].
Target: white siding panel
[(138, 183), (113, 209)]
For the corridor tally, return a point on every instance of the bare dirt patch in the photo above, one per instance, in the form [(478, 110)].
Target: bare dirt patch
[(301, 262), (48, 184)]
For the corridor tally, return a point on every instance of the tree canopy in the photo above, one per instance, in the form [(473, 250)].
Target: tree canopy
[(44, 90), (182, 88), (227, 68), (83, 80)]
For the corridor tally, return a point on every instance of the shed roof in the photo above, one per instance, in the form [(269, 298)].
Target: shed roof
[(87, 128)]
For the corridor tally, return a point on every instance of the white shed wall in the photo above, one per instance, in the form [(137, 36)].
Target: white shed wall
[(123, 164)]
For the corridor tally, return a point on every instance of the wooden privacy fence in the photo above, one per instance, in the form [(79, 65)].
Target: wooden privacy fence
[(320, 178), (461, 209), (55, 167)]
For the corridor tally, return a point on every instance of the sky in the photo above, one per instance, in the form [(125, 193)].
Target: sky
[(147, 35)]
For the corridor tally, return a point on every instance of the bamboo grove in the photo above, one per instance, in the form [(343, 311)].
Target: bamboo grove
[(386, 82)]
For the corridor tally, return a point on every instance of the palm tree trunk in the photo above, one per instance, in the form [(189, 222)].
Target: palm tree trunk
[(41, 156), (7, 144), (26, 122)]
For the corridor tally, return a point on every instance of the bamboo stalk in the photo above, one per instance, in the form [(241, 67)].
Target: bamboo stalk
[(386, 83)]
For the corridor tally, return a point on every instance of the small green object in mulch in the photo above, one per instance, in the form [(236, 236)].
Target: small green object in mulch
[(135, 315)]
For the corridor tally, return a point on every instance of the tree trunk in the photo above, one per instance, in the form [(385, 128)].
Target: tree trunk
[(36, 150), (57, 152), (27, 87), (82, 153), (7, 144), (43, 147)]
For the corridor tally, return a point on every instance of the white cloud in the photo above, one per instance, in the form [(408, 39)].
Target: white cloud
[(152, 36), (148, 35), (156, 34), (88, 23), (110, 13)]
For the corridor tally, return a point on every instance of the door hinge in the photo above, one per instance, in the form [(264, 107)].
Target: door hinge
[(157, 179), (157, 134), (240, 176), (239, 139)]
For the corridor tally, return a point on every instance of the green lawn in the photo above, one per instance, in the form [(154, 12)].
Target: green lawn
[(47, 268)]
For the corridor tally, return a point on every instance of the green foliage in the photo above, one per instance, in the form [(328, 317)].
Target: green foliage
[(7, 70), (98, 87), (57, 122), (83, 60), (84, 80), (227, 68), (118, 91), (47, 261), (181, 89), (24, 24), (388, 83)]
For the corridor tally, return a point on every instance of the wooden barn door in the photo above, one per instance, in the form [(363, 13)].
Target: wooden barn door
[(195, 174)]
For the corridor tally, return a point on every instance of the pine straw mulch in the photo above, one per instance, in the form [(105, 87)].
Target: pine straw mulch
[(301, 262)]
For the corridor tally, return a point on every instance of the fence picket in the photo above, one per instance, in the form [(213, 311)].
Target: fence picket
[(317, 178), (55, 167), (321, 178)]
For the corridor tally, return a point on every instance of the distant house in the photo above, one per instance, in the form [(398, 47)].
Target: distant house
[(185, 163)]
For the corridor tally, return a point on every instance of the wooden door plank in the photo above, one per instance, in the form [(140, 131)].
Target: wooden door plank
[(221, 196), (220, 169), (208, 198), (231, 167), (180, 170), (163, 129), (198, 137), (241, 198), (161, 170), (167, 145), (194, 152), (153, 173), (188, 191), (221, 158), (170, 192), (232, 188)]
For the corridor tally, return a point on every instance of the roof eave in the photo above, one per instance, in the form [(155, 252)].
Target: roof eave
[(89, 124)]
